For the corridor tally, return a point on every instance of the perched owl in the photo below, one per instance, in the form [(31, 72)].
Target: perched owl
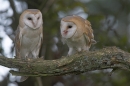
[(76, 33), (29, 34)]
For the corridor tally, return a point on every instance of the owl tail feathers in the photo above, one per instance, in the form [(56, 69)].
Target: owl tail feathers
[(23, 78), (93, 41)]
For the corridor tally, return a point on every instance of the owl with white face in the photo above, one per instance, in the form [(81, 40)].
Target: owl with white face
[(76, 33), (29, 35)]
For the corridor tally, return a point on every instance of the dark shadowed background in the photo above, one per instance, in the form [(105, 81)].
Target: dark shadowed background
[(110, 22)]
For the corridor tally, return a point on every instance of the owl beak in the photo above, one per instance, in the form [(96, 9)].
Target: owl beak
[(34, 23), (65, 31)]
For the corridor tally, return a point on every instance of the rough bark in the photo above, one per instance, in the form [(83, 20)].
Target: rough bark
[(110, 57)]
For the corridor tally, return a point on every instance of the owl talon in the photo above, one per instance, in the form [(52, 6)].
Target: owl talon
[(42, 57), (28, 59), (79, 52), (23, 59)]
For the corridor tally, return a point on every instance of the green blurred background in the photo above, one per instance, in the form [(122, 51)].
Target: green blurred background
[(110, 22)]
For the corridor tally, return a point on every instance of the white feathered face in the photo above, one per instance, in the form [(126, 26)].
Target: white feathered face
[(68, 29), (33, 21)]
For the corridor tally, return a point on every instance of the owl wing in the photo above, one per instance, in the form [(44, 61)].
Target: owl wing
[(88, 39), (18, 37), (88, 33)]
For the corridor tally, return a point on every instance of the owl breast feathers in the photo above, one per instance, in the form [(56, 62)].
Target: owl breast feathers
[(77, 34)]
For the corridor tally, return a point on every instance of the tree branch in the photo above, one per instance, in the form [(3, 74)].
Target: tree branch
[(110, 57)]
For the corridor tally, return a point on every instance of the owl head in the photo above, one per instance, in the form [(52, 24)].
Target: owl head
[(31, 18), (75, 26)]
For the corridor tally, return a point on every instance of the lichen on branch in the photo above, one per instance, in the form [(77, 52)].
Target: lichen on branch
[(109, 57)]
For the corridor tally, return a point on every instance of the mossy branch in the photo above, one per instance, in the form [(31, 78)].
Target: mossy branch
[(110, 57)]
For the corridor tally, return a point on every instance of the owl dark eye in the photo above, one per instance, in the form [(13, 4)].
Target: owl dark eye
[(69, 26), (38, 18), (29, 18)]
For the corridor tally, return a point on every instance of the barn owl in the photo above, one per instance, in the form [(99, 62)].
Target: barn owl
[(29, 34), (76, 33)]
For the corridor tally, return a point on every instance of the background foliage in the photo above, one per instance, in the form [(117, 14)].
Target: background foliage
[(110, 22)]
